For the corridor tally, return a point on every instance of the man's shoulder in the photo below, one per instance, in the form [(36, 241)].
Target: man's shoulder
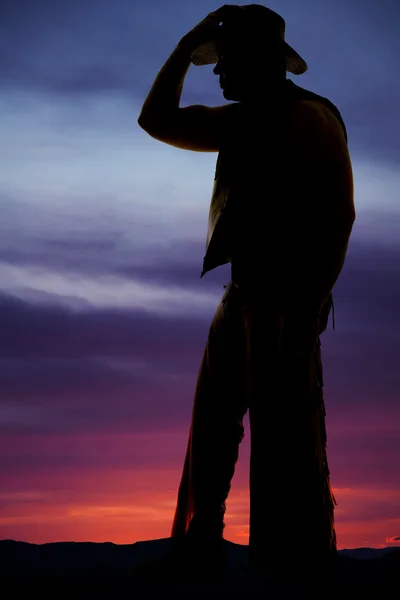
[(311, 110), (315, 117)]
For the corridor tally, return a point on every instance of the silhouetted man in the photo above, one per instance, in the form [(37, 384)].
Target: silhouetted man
[(281, 213)]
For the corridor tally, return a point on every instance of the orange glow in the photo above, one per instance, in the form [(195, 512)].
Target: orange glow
[(99, 503), (112, 508)]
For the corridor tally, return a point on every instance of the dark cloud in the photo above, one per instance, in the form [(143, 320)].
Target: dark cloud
[(58, 453), (106, 370), (368, 510), (364, 460), (75, 48), (367, 294), (90, 48), (179, 264), (34, 330), (57, 357), (369, 286), (92, 394)]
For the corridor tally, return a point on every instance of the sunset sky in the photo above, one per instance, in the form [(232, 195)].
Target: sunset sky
[(103, 315)]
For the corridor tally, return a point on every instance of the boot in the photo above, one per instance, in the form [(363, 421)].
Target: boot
[(199, 555)]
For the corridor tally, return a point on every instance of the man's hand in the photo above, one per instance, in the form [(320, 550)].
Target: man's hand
[(199, 128), (208, 28)]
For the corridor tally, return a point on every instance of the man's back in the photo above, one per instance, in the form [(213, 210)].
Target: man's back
[(283, 178)]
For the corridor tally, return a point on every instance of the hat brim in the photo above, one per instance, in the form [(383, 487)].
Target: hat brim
[(206, 54)]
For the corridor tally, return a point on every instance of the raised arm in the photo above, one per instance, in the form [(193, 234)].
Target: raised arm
[(194, 127)]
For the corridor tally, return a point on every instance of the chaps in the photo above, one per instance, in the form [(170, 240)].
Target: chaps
[(255, 360)]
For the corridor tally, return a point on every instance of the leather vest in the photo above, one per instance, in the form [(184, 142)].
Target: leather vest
[(236, 165)]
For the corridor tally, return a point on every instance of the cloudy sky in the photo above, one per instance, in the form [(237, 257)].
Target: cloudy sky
[(103, 316)]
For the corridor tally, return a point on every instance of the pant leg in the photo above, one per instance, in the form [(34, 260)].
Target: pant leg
[(216, 430), (291, 500)]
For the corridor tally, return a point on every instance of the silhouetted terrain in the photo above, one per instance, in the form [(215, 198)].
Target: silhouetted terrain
[(107, 570)]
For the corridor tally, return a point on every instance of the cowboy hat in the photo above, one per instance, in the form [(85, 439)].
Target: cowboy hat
[(253, 18)]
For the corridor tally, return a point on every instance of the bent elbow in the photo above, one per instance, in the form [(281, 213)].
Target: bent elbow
[(157, 124), (148, 123), (142, 122)]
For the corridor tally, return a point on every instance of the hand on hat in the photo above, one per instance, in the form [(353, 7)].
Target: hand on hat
[(208, 27)]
